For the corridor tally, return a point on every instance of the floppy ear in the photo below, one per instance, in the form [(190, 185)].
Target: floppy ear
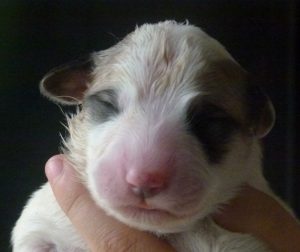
[(66, 84), (261, 112)]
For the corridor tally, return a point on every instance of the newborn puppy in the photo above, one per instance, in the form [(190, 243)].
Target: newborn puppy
[(168, 129)]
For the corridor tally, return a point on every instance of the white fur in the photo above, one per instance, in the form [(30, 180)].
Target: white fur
[(157, 70)]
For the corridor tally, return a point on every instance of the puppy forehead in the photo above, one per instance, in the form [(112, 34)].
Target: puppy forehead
[(165, 60)]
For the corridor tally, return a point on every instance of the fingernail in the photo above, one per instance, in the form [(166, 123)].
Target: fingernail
[(54, 167)]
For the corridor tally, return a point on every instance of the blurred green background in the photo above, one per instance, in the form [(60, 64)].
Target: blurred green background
[(38, 35)]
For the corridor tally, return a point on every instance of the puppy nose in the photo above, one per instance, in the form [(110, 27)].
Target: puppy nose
[(146, 185)]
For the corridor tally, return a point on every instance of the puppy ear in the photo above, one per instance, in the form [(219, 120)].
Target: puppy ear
[(261, 112), (67, 84)]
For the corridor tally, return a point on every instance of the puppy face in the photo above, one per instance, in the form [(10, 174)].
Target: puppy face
[(168, 127)]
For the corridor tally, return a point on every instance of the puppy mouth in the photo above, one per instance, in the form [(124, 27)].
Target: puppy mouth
[(149, 212), (146, 211), (152, 213), (154, 219)]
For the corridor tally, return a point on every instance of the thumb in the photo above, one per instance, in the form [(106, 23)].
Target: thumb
[(76, 202), (69, 192)]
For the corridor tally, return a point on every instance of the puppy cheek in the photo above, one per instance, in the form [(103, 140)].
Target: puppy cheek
[(106, 183)]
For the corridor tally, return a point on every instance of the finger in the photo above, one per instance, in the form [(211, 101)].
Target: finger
[(66, 187), (76, 202)]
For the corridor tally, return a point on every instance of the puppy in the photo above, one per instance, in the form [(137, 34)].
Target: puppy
[(168, 130)]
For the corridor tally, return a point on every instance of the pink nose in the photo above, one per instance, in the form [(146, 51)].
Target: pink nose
[(146, 185)]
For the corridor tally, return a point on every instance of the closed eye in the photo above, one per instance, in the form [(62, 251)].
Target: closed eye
[(212, 127), (102, 105)]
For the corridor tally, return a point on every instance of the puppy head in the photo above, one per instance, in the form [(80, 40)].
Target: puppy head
[(168, 125)]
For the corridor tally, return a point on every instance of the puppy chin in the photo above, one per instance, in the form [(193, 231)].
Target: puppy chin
[(156, 221)]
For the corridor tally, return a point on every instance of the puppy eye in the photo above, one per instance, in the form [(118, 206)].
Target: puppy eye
[(102, 105), (106, 105), (213, 128)]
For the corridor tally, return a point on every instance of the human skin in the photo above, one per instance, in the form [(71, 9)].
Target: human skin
[(251, 212), (256, 213), (100, 232)]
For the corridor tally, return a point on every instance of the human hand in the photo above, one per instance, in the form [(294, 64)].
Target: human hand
[(99, 231), (257, 213), (252, 211)]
